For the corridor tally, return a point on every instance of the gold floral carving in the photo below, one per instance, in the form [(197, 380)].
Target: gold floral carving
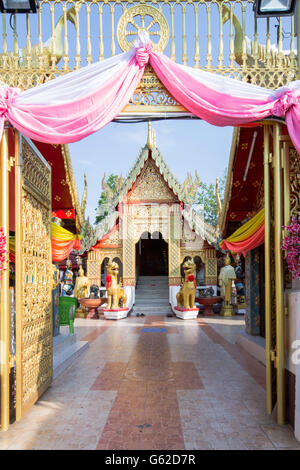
[(150, 185), (134, 17), (113, 239), (36, 321), (174, 245), (128, 248), (211, 271), (294, 182)]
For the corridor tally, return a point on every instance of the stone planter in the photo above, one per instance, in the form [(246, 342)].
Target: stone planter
[(208, 303), (92, 305)]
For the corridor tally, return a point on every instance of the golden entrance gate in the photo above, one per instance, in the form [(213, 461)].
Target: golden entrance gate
[(66, 35)]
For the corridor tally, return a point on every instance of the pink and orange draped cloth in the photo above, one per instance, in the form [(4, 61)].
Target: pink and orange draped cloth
[(63, 242), (77, 104), (248, 236)]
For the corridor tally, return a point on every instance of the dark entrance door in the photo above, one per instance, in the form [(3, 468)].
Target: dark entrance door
[(152, 257)]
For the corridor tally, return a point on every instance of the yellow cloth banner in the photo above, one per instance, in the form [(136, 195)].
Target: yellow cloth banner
[(12, 245), (248, 229), (61, 233)]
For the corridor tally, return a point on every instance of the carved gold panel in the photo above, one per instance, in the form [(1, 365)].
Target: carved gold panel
[(134, 18), (174, 246), (36, 276), (294, 182), (150, 185), (151, 95), (211, 271), (128, 249)]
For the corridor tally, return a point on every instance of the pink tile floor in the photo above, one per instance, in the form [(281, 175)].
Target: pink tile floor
[(190, 387)]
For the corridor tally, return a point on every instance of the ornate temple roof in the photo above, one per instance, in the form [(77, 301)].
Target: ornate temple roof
[(196, 223), (244, 188), (64, 190)]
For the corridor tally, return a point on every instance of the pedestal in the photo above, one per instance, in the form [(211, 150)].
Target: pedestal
[(208, 303), (241, 309), (81, 313), (115, 314), (227, 311), (186, 313)]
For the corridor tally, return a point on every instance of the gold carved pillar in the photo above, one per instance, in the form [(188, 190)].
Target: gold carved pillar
[(127, 233), (279, 285), (174, 246), (270, 326), (4, 283)]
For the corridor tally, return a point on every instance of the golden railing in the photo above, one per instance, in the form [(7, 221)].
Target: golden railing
[(217, 36)]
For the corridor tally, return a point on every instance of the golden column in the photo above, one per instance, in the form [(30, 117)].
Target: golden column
[(268, 319), (18, 270), (279, 285), (4, 282)]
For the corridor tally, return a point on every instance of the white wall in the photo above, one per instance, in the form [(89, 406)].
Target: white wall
[(292, 335)]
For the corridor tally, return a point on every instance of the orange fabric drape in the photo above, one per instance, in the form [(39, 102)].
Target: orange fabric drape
[(245, 245), (62, 248), (63, 242)]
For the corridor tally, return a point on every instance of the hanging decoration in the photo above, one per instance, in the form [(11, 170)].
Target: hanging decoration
[(77, 104), (63, 213), (3, 260), (63, 242), (247, 237), (12, 249), (291, 245)]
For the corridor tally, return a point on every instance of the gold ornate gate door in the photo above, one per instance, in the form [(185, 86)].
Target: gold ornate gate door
[(33, 280), (281, 195)]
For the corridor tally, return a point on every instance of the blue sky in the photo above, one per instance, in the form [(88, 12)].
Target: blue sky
[(186, 145)]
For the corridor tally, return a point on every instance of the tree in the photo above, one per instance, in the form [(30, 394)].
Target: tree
[(110, 187)]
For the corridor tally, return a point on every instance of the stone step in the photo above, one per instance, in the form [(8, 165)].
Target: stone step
[(152, 291), (150, 286), (151, 302), (153, 277), (152, 310), (147, 286), (63, 341), (65, 352), (153, 281), (148, 298)]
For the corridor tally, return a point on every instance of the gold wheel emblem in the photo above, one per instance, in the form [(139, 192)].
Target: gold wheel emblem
[(143, 18)]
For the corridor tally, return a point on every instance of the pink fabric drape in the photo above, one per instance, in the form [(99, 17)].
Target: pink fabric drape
[(219, 109), (72, 120), (92, 103)]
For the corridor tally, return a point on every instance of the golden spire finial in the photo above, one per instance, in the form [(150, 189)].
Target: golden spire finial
[(219, 203), (151, 140)]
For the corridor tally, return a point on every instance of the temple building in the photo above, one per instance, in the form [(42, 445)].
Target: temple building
[(151, 228)]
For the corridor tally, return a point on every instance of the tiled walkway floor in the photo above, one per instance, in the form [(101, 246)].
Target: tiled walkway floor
[(155, 383)]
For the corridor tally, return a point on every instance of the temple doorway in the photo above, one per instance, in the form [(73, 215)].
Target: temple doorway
[(152, 255)]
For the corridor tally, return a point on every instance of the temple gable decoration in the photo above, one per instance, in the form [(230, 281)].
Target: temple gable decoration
[(151, 186)]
